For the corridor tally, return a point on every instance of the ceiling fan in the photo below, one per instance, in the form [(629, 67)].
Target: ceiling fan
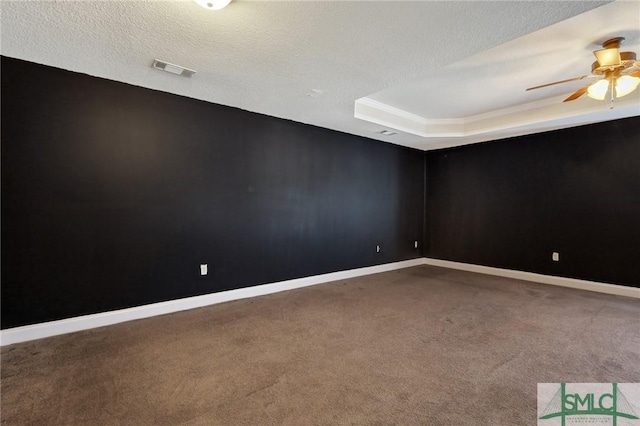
[(617, 73)]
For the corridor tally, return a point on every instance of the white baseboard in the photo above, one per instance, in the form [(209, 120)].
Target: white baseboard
[(85, 322), (618, 290)]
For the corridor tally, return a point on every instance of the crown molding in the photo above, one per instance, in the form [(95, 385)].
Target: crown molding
[(532, 115)]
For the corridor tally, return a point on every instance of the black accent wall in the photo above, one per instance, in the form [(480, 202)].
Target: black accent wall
[(511, 203), (113, 195)]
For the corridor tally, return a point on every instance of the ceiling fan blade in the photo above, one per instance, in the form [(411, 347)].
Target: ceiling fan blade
[(635, 73), (560, 82), (581, 91)]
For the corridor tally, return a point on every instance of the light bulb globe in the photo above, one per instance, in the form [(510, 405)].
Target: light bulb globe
[(598, 90), (626, 84)]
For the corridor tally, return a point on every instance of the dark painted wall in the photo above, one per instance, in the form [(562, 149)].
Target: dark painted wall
[(112, 196), (511, 203)]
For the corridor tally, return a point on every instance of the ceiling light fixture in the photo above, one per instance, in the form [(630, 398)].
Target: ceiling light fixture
[(213, 4), (618, 73), (618, 85), (598, 90), (608, 57), (626, 84), (387, 133)]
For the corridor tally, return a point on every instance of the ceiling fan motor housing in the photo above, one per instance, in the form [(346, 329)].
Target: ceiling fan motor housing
[(610, 57), (627, 59)]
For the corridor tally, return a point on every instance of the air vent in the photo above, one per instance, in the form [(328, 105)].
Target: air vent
[(172, 68)]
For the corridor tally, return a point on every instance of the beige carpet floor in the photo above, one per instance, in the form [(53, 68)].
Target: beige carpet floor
[(419, 346)]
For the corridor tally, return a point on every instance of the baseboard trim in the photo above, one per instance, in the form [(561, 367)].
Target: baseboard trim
[(86, 322), (618, 290)]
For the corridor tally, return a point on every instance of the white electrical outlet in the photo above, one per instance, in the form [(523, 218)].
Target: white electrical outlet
[(203, 269), (377, 249), (555, 256)]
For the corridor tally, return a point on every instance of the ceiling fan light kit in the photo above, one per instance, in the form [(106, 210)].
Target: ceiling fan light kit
[(598, 90), (626, 84), (618, 71)]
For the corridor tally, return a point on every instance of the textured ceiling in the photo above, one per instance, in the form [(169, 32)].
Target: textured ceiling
[(483, 97), (560, 51), (268, 56)]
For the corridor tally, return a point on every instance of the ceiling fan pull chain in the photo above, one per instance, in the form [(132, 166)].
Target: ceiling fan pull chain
[(612, 94)]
